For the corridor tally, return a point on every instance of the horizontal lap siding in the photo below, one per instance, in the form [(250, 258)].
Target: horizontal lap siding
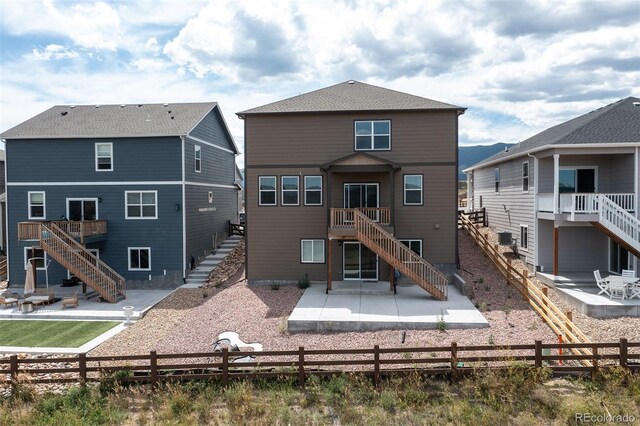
[(211, 129), (580, 248), (297, 144), (519, 204), (163, 235), (73, 160)]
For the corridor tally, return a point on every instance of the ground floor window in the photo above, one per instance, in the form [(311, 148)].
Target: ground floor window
[(139, 258), (524, 236), (312, 251), (414, 245), (39, 256)]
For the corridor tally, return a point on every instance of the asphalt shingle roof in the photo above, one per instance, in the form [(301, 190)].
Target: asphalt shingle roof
[(92, 121), (618, 122), (350, 96)]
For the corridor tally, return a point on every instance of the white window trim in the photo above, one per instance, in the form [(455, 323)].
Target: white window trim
[(26, 259), (274, 190), (313, 243), (355, 144), (313, 190), (110, 156), (129, 258), (404, 190), (496, 179), (197, 158), (282, 190), (528, 177), (44, 205), (403, 240), (520, 246), (126, 205)]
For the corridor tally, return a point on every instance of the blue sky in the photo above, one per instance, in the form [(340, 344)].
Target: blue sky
[(518, 66)]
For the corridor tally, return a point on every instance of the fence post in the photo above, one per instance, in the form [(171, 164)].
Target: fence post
[(376, 366), (82, 366), (545, 291), (594, 357), (225, 367), (153, 361), (525, 286), (538, 353), (13, 360), (569, 315), (624, 350), (301, 366), (454, 360)]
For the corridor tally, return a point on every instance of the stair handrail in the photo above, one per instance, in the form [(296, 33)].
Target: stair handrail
[(410, 262), (87, 256), (611, 215)]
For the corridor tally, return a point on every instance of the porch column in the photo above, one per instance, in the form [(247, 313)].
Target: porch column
[(636, 176), (329, 256), (392, 278), (556, 182), (329, 201), (536, 192), (392, 197), (555, 249)]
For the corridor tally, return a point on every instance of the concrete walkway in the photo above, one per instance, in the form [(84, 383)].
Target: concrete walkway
[(199, 275), (410, 308)]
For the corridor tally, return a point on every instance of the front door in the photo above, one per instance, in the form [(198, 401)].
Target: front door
[(618, 257), (359, 263), (82, 208)]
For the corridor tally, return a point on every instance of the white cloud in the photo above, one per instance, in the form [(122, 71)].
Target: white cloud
[(53, 51)]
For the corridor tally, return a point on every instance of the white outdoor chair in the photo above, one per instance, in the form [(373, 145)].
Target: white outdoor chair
[(634, 291), (629, 275), (617, 290), (602, 283)]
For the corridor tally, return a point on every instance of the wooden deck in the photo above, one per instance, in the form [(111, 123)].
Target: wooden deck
[(80, 230)]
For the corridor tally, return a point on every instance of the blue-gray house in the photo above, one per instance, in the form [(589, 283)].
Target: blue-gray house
[(118, 195)]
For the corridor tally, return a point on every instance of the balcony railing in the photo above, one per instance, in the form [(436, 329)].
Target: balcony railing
[(584, 203), (343, 218), (78, 229)]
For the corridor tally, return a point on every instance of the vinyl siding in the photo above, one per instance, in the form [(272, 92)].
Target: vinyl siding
[(580, 248), (277, 145), (73, 160), (211, 129), (510, 196)]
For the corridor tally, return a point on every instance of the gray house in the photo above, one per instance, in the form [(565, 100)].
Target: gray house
[(569, 195), (118, 195)]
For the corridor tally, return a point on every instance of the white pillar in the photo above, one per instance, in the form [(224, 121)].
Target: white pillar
[(556, 181), (470, 203), (535, 212), (637, 200)]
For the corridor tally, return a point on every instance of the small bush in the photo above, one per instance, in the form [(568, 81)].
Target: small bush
[(275, 286), (304, 282)]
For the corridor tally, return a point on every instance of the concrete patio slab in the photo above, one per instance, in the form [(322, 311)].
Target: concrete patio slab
[(410, 308)]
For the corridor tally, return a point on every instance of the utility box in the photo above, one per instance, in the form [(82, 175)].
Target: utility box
[(505, 238)]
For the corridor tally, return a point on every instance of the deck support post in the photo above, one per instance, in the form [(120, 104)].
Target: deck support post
[(555, 250), (392, 279), (329, 258)]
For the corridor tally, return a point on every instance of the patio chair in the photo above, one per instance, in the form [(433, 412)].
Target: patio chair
[(629, 275), (8, 298), (617, 290), (602, 283), (70, 301), (633, 292)]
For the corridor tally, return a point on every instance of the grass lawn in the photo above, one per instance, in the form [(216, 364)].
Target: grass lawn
[(55, 334)]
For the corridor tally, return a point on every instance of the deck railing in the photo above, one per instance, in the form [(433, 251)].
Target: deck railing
[(78, 229), (584, 203), (343, 218)]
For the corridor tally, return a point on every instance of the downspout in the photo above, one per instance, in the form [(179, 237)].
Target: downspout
[(184, 214), (535, 210)]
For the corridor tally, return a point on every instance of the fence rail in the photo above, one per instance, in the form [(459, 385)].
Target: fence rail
[(454, 360), (557, 320)]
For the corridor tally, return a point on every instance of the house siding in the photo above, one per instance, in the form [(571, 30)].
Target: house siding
[(520, 204), (295, 144), (587, 241), (211, 129)]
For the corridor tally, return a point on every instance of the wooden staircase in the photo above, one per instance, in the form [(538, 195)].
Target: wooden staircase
[(65, 250), (399, 256)]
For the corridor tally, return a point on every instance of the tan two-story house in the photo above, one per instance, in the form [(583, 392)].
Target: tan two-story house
[(352, 182)]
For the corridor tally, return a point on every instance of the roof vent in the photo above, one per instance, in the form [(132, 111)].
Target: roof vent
[(172, 117), (506, 149), (72, 106), (97, 106), (636, 104), (122, 106), (166, 105), (350, 82), (63, 113), (139, 105)]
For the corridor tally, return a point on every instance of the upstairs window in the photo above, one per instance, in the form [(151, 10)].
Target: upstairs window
[(496, 172), (104, 157), (313, 190), (373, 135), (267, 190), (412, 190), (36, 205), (290, 190), (141, 204), (525, 176), (197, 153)]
